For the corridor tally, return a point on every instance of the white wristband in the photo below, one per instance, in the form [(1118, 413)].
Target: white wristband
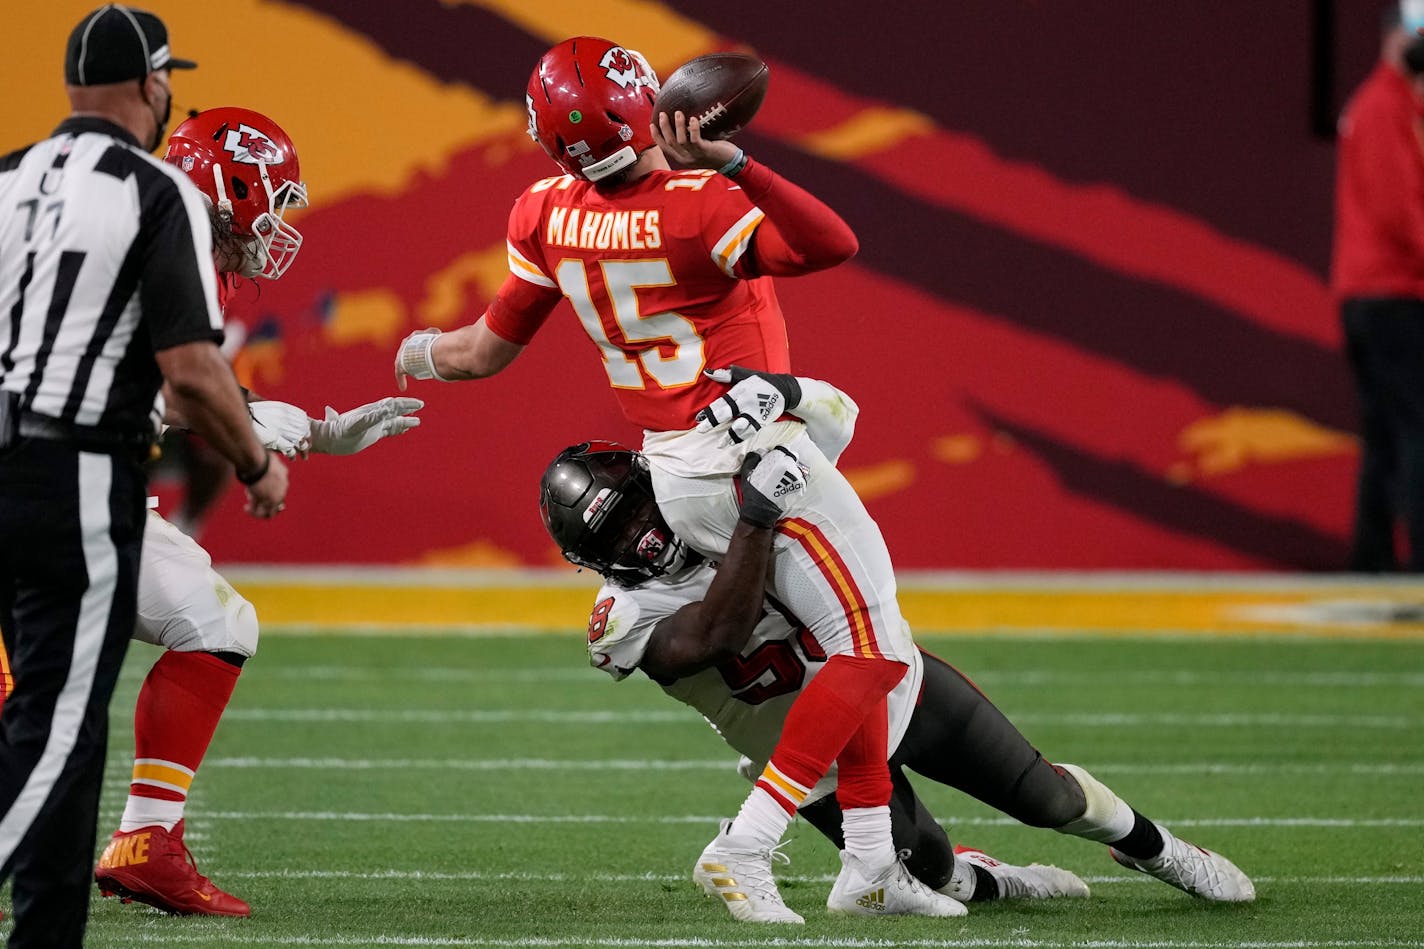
[(416, 360)]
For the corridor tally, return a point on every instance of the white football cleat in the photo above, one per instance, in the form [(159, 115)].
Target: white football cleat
[(737, 870), (889, 891), (1033, 882), (1194, 869)]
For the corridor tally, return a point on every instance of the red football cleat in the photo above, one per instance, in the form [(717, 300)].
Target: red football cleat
[(154, 866)]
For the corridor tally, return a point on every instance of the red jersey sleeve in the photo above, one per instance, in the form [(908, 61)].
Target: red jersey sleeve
[(519, 309), (800, 234), (529, 293)]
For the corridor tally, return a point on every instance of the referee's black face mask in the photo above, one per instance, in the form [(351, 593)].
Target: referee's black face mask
[(162, 120)]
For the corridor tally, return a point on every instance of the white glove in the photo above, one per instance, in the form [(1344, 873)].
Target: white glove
[(280, 427), (413, 359), (349, 432), (768, 483), (754, 399)]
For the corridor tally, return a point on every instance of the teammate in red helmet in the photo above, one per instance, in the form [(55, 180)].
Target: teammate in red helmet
[(247, 168)]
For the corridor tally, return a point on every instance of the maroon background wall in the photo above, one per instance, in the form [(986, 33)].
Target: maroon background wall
[(1088, 327)]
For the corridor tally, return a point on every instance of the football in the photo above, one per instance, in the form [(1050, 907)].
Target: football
[(721, 90)]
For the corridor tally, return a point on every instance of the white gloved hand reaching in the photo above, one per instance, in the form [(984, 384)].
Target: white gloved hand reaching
[(346, 433), (281, 427)]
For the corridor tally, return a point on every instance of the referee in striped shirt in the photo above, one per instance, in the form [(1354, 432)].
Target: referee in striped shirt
[(107, 291)]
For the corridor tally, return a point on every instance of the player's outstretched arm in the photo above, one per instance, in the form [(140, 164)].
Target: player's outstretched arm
[(756, 398), (470, 352), (709, 631)]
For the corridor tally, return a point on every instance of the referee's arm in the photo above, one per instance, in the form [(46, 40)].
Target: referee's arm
[(179, 298)]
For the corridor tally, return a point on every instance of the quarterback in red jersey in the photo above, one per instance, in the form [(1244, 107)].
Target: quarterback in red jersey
[(666, 270), (658, 264)]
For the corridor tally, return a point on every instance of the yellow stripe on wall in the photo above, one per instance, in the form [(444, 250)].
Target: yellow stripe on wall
[(663, 35), (870, 130), (338, 605), (1382, 611), (314, 77)]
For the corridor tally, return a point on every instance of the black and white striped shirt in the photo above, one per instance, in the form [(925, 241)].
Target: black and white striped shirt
[(105, 259)]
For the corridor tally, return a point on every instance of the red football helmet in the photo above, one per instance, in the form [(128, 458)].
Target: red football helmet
[(246, 166), (590, 104)]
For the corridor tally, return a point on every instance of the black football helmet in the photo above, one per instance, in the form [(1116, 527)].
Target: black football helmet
[(597, 502)]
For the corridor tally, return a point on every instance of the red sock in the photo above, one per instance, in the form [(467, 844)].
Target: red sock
[(826, 717), (178, 710)]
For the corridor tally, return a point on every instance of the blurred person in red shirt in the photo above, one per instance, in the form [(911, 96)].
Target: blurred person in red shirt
[(1377, 273)]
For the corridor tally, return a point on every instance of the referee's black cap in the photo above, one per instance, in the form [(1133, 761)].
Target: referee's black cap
[(116, 43)]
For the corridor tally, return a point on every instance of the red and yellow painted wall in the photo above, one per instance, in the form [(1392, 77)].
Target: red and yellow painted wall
[(1088, 326)]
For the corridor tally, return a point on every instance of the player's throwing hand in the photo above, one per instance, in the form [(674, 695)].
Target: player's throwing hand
[(680, 139)]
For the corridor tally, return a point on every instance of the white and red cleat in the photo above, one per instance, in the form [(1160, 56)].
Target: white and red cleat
[(1195, 870), (1036, 881), (154, 866)]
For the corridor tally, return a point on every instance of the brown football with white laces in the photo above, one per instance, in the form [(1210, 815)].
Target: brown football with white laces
[(723, 91)]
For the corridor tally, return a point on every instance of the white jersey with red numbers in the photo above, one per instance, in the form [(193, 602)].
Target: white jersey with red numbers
[(654, 272), (746, 699)]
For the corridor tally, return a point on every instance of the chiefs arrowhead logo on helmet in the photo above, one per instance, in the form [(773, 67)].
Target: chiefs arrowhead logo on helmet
[(249, 146), (620, 67)]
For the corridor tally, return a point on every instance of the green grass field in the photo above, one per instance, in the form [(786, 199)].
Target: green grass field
[(495, 791)]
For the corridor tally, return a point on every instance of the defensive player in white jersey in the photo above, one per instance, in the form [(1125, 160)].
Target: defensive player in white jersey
[(666, 270), (715, 639), (247, 168)]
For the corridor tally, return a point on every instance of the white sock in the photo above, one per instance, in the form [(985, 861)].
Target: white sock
[(1107, 817), (147, 811), (867, 835), (962, 882), (762, 818)]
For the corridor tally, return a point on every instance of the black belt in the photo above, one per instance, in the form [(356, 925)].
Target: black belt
[(86, 437)]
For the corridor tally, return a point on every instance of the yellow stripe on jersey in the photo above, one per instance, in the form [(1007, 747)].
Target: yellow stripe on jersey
[(521, 267), (165, 774), (729, 249), (837, 575)]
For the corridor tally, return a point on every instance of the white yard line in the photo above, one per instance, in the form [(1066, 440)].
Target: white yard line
[(1413, 680), (677, 716), (520, 875), (480, 818), (152, 936), (586, 675), (1403, 769)]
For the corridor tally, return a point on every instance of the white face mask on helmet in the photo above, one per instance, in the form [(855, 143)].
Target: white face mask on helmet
[(247, 168), (274, 242)]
